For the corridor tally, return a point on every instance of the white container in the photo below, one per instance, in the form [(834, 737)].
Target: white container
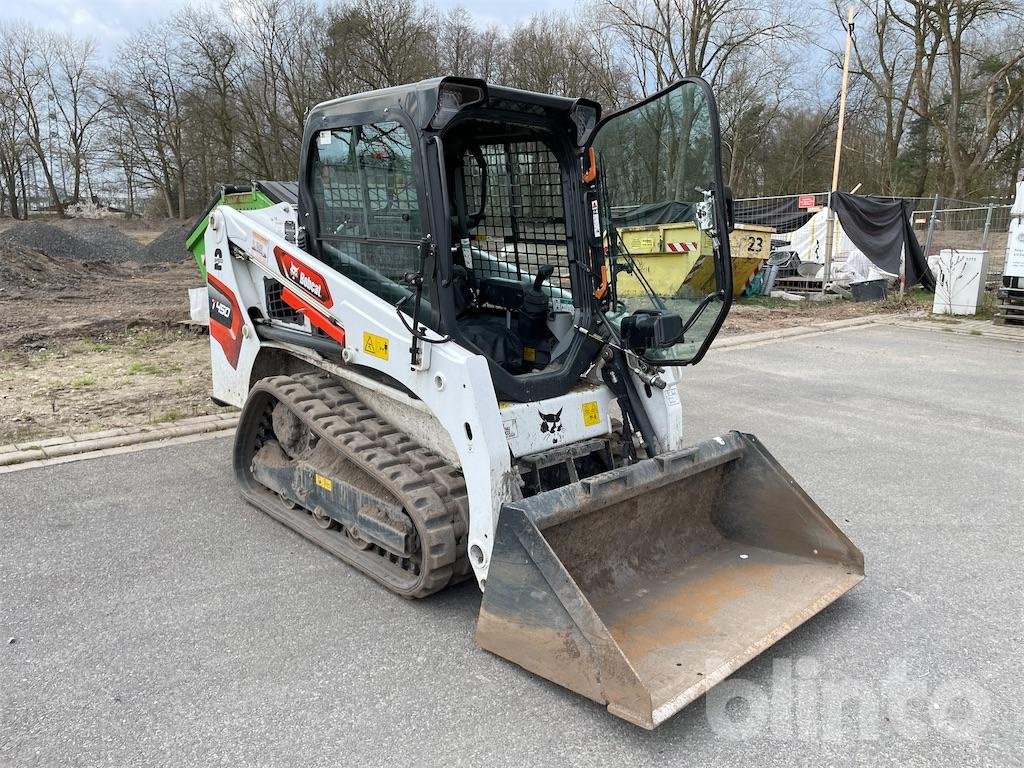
[(199, 305), (959, 281)]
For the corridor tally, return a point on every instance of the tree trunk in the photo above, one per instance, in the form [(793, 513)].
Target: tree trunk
[(182, 205), (168, 202), (1017, 165), (76, 168), (10, 188), (131, 194), (58, 205), (24, 192)]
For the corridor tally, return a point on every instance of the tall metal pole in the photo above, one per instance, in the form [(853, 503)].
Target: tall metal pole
[(927, 240), (988, 228), (830, 217), (931, 226)]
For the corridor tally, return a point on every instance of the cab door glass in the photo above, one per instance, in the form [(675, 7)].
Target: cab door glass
[(659, 175)]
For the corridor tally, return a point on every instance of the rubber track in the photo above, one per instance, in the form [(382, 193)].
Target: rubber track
[(431, 491)]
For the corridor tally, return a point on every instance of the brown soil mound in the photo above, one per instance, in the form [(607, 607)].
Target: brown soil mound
[(26, 271)]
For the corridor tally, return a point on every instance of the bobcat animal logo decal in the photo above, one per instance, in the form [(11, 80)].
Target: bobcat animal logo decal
[(550, 423)]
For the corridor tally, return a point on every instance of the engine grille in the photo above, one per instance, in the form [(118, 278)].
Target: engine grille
[(276, 308)]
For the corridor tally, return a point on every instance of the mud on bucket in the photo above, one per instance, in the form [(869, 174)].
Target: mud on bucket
[(643, 587)]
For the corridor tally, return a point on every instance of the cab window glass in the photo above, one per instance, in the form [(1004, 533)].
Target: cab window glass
[(364, 187), (658, 163)]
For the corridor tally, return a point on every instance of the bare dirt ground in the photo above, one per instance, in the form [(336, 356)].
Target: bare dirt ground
[(762, 314), (91, 345), (87, 345), (118, 379)]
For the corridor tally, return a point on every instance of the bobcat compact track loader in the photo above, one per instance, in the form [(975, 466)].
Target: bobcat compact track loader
[(438, 380)]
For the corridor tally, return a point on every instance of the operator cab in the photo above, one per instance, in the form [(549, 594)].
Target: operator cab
[(478, 211), (510, 236)]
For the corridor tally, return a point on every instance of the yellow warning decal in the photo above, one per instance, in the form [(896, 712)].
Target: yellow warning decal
[(324, 482), (375, 345), (591, 413), (529, 354)]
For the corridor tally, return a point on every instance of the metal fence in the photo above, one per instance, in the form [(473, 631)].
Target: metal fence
[(947, 223), (939, 222)]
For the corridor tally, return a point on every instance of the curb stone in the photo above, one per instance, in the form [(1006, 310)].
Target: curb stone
[(71, 445)]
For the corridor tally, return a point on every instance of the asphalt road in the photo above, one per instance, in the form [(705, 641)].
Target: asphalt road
[(158, 620)]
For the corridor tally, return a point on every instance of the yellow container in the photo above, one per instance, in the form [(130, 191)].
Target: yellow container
[(676, 258)]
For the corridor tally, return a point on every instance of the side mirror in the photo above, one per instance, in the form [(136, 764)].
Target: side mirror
[(650, 329)]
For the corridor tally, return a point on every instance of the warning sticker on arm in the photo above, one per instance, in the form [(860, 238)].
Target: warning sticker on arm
[(375, 345)]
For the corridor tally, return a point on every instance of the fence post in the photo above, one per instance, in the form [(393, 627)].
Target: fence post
[(988, 227), (829, 219), (931, 227)]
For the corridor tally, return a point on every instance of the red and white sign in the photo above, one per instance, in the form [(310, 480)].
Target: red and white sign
[(805, 201), (681, 247), (308, 280)]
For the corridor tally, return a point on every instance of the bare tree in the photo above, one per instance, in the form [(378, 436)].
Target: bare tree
[(382, 43), (72, 78), (211, 61), (279, 72), (977, 51), (11, 146), (24, 64), (211, 95), (669, 39), (896, 58), (150, 91)]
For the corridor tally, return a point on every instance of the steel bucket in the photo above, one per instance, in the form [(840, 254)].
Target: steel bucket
[(643, 587)]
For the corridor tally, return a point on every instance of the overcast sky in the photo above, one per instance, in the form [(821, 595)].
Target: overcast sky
[(109, 21)]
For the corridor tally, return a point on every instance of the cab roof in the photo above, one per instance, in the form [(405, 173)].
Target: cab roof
[(422, 100)]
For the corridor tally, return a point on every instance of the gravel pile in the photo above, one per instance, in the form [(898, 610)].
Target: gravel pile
[(26, 272), (170, 246), (114, 244), (52, 241)]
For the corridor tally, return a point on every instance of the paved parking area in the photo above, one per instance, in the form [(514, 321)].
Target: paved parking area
[(158, 620)]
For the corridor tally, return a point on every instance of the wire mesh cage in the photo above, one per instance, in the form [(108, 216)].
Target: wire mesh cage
[(517, 192)]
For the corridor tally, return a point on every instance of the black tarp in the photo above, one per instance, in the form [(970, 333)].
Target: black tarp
[(782, 213), (648, 215), (881, 230)]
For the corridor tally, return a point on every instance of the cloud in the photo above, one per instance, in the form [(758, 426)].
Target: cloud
[(109, 22), (106, 21)]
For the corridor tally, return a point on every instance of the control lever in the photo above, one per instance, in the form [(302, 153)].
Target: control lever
[(544, 271)]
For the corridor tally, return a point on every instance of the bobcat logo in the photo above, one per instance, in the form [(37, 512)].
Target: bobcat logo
[(550, 422)]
